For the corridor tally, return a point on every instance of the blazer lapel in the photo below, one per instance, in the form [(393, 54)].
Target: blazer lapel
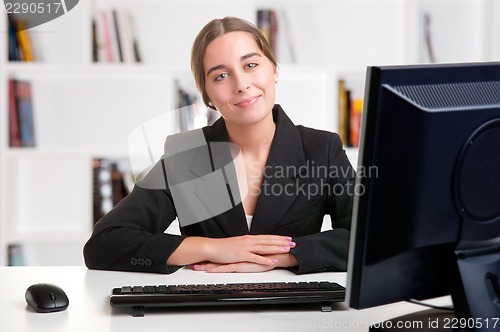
[(233, 221), (278, 190)]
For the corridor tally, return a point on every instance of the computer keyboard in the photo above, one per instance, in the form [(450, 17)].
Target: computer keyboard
[(323, 293)]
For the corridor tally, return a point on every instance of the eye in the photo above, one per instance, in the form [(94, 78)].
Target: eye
[(221, 76), (251, 65)]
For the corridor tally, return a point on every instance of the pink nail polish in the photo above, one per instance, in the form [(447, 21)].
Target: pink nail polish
[(288, 238), (286, 248), (292, 244), (275, 261)]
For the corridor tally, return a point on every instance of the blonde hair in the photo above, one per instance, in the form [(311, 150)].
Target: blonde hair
[(214, 29)]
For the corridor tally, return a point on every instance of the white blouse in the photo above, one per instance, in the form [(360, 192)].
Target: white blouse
[(249, 220)]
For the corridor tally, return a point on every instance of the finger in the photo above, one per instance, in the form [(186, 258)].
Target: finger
[(261, 260), (240, 267), (225, 268), (277, 240), (271, 250), (203, 266)]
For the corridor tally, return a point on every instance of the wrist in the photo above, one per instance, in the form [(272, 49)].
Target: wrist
[(193, 249), (285, 260)]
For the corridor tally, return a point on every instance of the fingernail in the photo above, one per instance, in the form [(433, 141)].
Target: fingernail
[(288, 238), (292, 244), (275, 261), (286, 248)]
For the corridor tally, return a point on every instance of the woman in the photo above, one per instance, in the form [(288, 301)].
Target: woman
[(292, 176)]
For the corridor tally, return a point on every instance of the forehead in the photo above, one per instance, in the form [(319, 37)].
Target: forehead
[(230, 47)]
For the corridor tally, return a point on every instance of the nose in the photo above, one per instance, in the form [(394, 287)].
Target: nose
[(241, 85)]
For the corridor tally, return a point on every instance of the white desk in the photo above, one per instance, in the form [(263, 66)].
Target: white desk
[(89, 309)]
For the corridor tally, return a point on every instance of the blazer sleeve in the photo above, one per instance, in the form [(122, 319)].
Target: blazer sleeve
[(328, 250), (131, 236)]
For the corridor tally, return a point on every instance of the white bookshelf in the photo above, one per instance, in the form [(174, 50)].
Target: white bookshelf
[(85, 110)]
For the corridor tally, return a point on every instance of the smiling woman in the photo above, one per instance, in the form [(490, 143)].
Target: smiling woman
[(236, 73)]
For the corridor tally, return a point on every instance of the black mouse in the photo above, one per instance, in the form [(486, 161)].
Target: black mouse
[(46, 298)]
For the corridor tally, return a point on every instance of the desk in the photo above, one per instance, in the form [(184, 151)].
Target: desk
[(89, 310)]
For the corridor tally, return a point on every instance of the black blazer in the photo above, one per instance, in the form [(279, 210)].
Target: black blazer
[(307, 176)]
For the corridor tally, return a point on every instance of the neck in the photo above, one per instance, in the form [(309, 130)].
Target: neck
[(255, 138)]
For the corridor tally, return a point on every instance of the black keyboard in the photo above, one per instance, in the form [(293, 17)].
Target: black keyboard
[(140, 297)]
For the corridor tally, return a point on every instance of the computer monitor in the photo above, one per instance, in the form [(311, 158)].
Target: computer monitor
[(426, 216)]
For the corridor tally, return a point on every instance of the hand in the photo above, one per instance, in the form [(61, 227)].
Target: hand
[(258, 249), (232, 267), (283, 260), (246, 248)]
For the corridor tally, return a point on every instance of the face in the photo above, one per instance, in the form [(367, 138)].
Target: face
[(239, 79)]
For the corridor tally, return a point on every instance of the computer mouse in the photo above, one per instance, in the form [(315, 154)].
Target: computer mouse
[(46, 298)]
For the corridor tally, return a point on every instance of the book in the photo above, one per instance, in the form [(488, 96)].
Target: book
[(193, 114), (118, 35), (14, 53), (117, 184), (110, 186), (26, 122), (95, 47), (356, 105), (14, 136), (24, 41), (16, 255), (125, 35), (114, 37), (343, 111), (108, 40), (267, 23), (350, 108)]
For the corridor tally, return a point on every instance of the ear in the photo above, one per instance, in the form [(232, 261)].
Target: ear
[(276, 75)]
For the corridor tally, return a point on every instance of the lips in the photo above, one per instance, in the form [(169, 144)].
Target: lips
[(247, 102)]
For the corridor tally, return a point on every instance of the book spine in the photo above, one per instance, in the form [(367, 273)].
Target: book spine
[(96, 189), (109, 186), (117, 35), (14, 137), (343, 103), (24, 41), (268, 24), (356, 111), (25, 111), (108, 47), (95, 45), (13, 44), (126, 35)]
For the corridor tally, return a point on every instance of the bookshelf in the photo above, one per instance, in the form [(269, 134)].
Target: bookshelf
[(85, 110)]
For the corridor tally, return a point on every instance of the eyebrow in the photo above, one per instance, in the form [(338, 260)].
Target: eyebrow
[(242, 58)]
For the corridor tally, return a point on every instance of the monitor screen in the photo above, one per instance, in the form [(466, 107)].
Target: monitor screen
[(426, 217)]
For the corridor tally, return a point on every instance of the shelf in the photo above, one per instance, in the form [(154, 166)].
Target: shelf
[(120, 69), (85, 110), (38, 237), (57, 152)]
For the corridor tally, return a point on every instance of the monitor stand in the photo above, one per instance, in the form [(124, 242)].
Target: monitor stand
[(477, 305)]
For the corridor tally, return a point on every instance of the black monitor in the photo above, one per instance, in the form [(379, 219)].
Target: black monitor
[(426, 218)]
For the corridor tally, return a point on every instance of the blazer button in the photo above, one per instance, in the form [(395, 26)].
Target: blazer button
[(133, 261), (148, 262), (140, 261)]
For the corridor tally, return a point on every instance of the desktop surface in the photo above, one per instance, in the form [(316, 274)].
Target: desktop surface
[(89, 309)]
